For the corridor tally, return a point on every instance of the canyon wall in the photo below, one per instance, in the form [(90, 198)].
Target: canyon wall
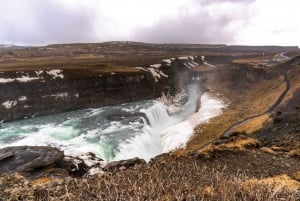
[(30, 93)]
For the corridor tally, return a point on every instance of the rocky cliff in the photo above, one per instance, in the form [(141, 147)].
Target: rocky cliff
[(30, 93)]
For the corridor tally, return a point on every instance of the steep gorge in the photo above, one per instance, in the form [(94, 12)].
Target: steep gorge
[(29, 93)]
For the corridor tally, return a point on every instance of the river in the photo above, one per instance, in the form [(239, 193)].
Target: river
[(138, 129)]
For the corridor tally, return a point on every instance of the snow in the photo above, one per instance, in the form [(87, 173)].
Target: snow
[(202, 58), (141, 68), (26, 79), (55, 73), (39, 72), (177, 136), (6, 80), (183, 58), (60, 95), (168, 61), (9, 104), (22, 98), (194, 64), (162, 74), (155, 74), (213, 66), (19, 79), (187, 65), (155, 65)]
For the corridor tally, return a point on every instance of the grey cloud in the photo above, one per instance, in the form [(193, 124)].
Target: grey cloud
[(51, 21), (47, 21), (200, 27), (209, 2)]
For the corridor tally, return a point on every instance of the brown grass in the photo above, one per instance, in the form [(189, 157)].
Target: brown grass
[(276, 183), (239, 142), (245, 102), (254, 125), (179, 180), (294, 76)]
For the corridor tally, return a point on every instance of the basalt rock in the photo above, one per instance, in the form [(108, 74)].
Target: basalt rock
[(123, 164), (35, 162), (29, 93), (28, 159)]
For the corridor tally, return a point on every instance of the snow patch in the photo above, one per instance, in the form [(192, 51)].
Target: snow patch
[(22, 98), (210, 65), (6, 80), (187, 65), (191, 58), (141, 68), (60, 95), (162, 74), (168, 61), (26, 79), (9, 104), (155, 74), (183, 58), (55, 73), (39, 72), (155, 65)]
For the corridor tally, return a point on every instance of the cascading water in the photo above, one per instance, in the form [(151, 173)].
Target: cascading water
[(112, 133)]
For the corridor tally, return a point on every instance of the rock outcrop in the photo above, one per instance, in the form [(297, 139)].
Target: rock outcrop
[(30, 93), (123, 164), (28, 159)]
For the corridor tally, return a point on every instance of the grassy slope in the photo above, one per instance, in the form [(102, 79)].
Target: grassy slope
[(243, 102)]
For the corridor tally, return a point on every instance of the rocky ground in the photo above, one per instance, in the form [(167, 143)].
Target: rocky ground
[(259, 160), (239, 167)]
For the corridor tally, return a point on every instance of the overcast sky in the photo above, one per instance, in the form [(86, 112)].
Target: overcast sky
[(251, 22)]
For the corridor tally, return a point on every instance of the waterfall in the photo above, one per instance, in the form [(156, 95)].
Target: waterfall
[(147, 143), (141, 129)]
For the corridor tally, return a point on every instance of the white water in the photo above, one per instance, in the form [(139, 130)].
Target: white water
[(177, 136), (140, 129)]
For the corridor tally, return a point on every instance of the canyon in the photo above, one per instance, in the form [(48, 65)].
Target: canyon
[(258, 87)]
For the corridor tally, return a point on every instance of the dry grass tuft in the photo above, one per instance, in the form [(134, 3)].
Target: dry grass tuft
[(277, 183), (178, 180), (239, 142), (254, 125), (268, 150)]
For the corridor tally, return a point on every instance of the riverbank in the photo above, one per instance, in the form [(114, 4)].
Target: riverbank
[(261, 162), (238, 167)]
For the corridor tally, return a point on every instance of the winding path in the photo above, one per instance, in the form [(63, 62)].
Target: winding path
[(229, 130), (278, 101)]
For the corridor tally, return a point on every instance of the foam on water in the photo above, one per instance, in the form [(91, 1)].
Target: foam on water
[(141, 129), (177, 136)]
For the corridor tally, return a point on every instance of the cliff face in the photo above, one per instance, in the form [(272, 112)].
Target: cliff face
[(31, 93)]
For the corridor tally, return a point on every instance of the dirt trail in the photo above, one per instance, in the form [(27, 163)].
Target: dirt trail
[(229, 130), (278, 101)]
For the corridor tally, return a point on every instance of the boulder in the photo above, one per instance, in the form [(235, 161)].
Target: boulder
[(123, 164), (28, 158)]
